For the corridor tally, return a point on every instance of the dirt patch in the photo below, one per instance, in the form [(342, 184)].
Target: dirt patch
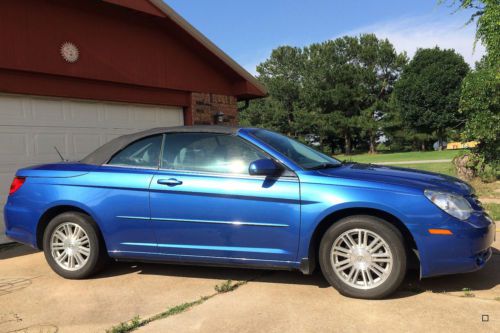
[(490, 200)]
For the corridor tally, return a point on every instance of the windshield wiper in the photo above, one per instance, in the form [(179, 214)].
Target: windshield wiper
[(325, 166)]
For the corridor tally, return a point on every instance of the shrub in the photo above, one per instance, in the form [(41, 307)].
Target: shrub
[(471, 164)]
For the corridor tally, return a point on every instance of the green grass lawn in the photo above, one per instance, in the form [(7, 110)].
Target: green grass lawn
[(399, 157), (493, 210), (444, 168)]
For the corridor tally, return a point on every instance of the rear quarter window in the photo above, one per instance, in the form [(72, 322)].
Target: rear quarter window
[(141, 153)]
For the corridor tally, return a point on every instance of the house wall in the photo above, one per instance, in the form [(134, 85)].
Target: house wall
[(205, 106), (116, 45), (125, 56)]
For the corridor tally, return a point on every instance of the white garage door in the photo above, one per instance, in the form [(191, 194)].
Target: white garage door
[(31, 126)]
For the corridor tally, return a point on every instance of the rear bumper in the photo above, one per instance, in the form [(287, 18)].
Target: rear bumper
[(19, 224), (467, 250), (20, 237)]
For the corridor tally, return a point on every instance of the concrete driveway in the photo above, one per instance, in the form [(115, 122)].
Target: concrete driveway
[(34, 299)]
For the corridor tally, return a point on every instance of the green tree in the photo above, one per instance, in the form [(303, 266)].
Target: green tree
[(381, 66), (480, 97), (349, 80), (332, 86), (266, 113), (480, 104), (336, 89), (487, 17), (428, 91), (282, 74)]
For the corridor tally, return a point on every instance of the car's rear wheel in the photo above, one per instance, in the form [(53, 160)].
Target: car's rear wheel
[(363, 257), (72, 246)]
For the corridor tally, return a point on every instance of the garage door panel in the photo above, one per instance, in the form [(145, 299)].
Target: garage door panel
[(144, 116), (170, 117), (48, 112), (84, 144), (45, 143), (30, 127), (13, 146), (13, 111), (117, 114), (84, 113), (5, 180)]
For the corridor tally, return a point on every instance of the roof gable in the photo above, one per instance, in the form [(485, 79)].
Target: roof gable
[(140, 5), (250, 85), (122, 44)]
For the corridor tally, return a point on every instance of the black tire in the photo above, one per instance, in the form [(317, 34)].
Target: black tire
[(384, 230), (97, 258)]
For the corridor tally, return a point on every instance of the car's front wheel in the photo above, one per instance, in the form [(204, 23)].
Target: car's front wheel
[(72, 246), (363, 257)]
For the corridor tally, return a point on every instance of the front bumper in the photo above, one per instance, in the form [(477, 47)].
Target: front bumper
[(467, 250)]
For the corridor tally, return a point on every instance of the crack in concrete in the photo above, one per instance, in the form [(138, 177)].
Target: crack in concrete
[(38, 328), (136, 322), (11, 285)]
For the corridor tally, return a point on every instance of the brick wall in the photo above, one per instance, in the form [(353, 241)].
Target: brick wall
[(205, 106)]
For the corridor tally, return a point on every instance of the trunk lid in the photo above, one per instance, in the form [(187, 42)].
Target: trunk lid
[(56, 170)]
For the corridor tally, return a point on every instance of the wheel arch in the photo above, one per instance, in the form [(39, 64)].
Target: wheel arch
[(335, 216), (54, 211)]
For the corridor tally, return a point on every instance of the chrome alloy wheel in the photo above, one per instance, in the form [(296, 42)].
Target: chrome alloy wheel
[(70, 246), (361, 258)]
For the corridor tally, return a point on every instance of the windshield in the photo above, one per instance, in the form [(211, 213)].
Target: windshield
[(304, 156)]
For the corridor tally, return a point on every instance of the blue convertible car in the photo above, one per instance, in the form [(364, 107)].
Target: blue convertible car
[(247, 197)]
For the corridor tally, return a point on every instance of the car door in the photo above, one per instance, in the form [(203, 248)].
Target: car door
[(121, 196), (205, 204)]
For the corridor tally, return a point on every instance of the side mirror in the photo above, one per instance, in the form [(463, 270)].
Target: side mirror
[(264, 167)]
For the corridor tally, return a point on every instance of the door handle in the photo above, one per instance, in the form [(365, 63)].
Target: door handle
[(169, 182)]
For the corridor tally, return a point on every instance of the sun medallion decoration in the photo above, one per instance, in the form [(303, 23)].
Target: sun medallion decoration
[(70, 52)]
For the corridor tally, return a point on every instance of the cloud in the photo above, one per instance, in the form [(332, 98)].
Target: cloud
[(408, 34), (251, 60), (251, 67)]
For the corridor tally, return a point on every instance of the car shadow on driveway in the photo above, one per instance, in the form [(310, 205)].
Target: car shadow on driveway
[(485, 279), (13, 250), (213, 272), (482, 280)]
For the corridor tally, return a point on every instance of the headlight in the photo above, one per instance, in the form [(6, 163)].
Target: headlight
[(455, 205)]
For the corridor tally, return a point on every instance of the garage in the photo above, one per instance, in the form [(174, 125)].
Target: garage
[(102, 69), (32, 126)]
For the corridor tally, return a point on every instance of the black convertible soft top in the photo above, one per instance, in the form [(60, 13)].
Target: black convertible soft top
[(104, 153)]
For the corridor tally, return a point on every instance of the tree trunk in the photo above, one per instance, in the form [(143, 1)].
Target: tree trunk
[(463, 170), (373, 149), (422, 148), (290, 118), (347, 145), (440, 140)]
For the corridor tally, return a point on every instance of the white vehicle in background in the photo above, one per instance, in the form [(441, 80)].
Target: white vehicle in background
[(312, 140)]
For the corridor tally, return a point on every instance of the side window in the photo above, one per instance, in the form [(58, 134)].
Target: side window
[(208, 152), (141, 153)]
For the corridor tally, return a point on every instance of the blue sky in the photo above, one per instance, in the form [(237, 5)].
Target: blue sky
[(249, 29)]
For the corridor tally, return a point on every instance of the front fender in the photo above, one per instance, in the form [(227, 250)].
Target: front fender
[(358, 205), (322, 200)]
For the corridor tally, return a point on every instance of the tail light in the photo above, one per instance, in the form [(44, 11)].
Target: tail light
[(16, 184)]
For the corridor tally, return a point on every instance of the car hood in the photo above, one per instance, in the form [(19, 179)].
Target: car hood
[(399, 176)]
